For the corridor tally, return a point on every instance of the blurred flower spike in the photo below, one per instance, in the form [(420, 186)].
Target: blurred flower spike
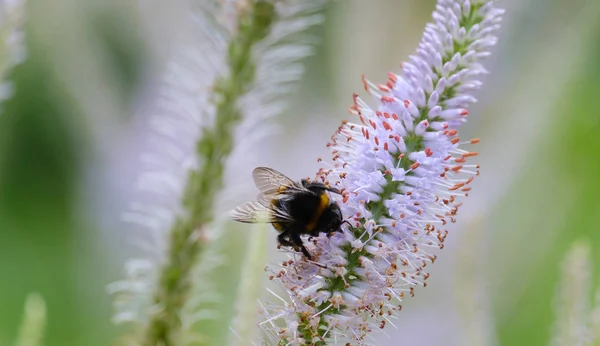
[(12, 46), (402, 169)]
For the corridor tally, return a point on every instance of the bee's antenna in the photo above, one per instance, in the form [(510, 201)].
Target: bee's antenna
[(333, 189), (317, 264), (348, 223)]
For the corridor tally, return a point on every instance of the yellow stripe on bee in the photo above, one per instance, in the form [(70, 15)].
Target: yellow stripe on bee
[(278, 227), (323, 203)]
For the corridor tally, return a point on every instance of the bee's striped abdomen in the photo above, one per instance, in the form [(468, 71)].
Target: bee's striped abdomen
[(323, 203), (276, 204)]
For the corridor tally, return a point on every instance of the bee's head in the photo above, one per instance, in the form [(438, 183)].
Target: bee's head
[(336, 224)]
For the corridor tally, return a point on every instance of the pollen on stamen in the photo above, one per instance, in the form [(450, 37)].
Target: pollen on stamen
[(383, 88), (474, 141), (373, 124), (464, 113), (392, 77), (362, 119), (456, 186), (415, 165), (387, 99), (470, 154), (365, 83)]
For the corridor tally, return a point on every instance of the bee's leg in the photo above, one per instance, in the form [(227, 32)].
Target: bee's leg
[(336, 226), (299, 244), (283, 239)]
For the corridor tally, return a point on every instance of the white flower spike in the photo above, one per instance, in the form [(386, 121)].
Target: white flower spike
[(402, 170)]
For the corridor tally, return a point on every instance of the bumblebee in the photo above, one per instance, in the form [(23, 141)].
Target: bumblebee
[(293, 208)]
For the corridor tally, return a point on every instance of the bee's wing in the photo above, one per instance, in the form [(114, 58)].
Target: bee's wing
[(257, 212), (269, 181), (265, 200)]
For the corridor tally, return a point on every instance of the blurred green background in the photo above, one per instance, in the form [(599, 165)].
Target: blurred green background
[(69, 139)]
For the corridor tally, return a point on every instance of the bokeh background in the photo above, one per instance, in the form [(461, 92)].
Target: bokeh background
[(70, 140)]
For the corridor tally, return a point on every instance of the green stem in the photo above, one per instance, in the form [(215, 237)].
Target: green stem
[(187, 238)]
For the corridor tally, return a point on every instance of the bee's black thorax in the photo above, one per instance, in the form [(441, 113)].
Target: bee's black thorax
[(312, 211), (306, 209)]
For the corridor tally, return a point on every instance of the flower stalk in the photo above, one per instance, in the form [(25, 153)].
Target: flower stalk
[(574, 313), (12, 47), (218, 93), (250, 287), (595, 321), (31, 331), (402, 170), (187, 237)]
